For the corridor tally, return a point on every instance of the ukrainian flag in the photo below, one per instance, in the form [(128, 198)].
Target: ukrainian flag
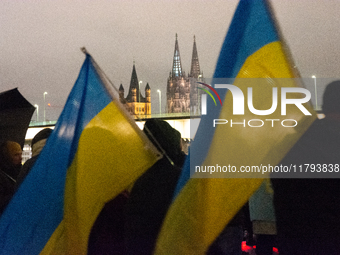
[(202, 207), (95, 152)]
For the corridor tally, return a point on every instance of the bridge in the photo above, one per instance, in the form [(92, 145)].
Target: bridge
[(187, 125)]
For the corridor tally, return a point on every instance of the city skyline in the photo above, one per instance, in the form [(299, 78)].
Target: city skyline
[(41, 41)]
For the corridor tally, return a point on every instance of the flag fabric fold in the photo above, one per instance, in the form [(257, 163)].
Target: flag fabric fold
[(94, 153), (202, 207)]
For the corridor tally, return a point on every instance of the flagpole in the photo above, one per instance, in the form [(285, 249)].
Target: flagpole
[(124, 111), (105, 79), (83, 49)]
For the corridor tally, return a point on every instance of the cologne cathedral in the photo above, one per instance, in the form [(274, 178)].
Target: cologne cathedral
[(135, 103), (182, 93)]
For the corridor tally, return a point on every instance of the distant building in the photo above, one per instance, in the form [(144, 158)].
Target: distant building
[(135, 103), (182, 93)]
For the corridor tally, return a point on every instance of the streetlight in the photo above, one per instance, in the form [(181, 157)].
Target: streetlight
[(45, 93), (160, 105), (316, 97), (37, 107)]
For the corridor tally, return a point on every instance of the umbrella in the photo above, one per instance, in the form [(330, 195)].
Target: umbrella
[(15, 116)]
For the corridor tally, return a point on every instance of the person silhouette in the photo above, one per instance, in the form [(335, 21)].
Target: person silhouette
[(152, 193), (37, 144), (10, 166), (307, 208)]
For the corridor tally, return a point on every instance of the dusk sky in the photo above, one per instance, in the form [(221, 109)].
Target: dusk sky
[(40, 41)]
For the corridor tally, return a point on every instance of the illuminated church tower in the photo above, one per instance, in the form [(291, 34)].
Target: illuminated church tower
[(135, 103), (182, 92)]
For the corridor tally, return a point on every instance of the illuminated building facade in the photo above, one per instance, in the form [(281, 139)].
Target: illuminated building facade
[(182, 93)]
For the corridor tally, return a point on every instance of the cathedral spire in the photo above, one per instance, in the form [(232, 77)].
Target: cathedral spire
[(134, 85), (134, 79), (195, 66), (177, 66)]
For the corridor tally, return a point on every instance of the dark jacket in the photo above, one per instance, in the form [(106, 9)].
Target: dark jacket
[(107, 233), (152, 193), (26, 169), (307, 210), (7, 189), (147, 206), (8, 176)]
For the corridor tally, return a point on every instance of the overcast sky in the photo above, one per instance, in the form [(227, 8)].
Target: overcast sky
[(40, 41)]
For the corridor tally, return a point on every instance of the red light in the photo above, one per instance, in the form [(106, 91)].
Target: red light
[(245, 247), (248, 249)]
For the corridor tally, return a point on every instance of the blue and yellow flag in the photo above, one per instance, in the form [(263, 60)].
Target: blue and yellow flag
[(94, 153), (202, 207)]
